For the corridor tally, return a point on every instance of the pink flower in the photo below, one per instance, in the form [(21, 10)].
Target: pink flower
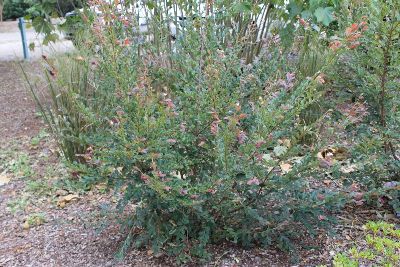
[(145, 178), (358, 196), (214, 127), (194, 196), (183, 127), (169, 103), (241, 137), (120, 112), (253, 181), (183, 192), (335, 45), (143, 150), (260, 143), (211, 191), (167, 188), (171, 141), (127, 42), (259, 157), (290, 76)]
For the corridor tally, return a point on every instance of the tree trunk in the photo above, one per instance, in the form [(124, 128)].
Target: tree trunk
[(1, 10)]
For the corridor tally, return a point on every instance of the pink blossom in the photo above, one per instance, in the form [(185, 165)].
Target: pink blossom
[(258, 156), (260, 143), (253, 181), (143, 150), (214, 127), (290, 76), (182, 127), (145, 178), (211, 191), (169, 103), (183, 192), (241, 137), (160, 174), (171, 141)]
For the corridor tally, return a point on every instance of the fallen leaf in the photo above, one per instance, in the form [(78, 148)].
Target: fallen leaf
[(25, 225), (348, 169), (79, 58), (286, 167), (66, 199), (4, 179), (70, 197)]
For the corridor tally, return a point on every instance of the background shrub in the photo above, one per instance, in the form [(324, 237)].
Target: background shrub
[(15, 8)]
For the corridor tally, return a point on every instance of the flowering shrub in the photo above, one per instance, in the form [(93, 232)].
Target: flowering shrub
[(208, 147)]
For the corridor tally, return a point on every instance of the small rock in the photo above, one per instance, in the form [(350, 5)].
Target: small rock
[(26, 225)]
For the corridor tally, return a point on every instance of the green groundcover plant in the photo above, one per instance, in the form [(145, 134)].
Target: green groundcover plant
[(383, 248)]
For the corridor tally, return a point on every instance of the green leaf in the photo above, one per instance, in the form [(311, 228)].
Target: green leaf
[(306, 14), (53, 37), (32, 46), (150, 5), (294, 9), (324, 15), (244, 7), (42, 26), (314, 4)]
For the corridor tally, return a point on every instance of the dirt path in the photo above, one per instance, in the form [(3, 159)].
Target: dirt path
[(17, 116)]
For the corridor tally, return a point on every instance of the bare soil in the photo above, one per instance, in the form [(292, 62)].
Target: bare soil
[(85, 232), (17, 116)]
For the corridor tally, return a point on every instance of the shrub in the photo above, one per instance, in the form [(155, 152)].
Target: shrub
[(367, 98), (13, 9), (206, 145)]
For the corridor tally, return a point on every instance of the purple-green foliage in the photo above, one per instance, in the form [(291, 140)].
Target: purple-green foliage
[(195, 143)]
